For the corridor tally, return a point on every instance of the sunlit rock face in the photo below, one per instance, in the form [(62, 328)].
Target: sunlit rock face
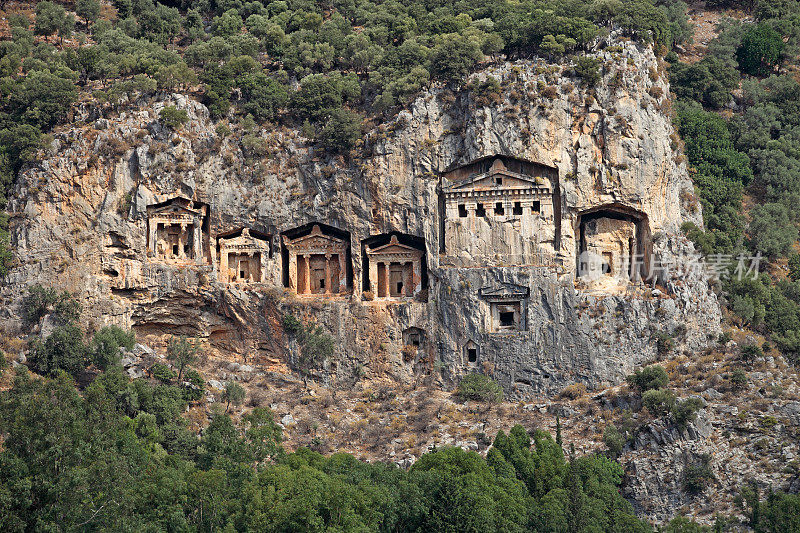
[(493, 204)]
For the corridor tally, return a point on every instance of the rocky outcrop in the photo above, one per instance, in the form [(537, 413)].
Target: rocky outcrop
[(80, 223)]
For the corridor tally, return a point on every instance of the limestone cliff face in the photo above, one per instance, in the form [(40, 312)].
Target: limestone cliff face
[(81, 222)]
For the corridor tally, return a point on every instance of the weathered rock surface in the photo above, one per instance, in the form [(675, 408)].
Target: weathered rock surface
[(80, 223)]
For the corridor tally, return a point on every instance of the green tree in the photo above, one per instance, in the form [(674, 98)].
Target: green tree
[(648, 378), (106, 344), (88, 10), (771, 231), (52, 18), (263, 96), (172, 117), (480, 388), (63, 350), (453, 58), (658, 401), (341, 131), (760, 50), (182, 352), (233, 394), (614, 441), (229, 23)]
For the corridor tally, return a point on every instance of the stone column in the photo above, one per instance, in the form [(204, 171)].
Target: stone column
[(153, 236), (293, 270), (198, 243), (224, 275), (342, 270), (417, 275), (328, 280), (408, 282), (373, 275), (307, 268), (383, 281)]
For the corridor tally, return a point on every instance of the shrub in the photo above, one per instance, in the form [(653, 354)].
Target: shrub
[(341, 131), (738, 378), (163, 373), (194, 391), (233, 394), (574, 391), (664, 343), (750, 352), (696, 477), (686, 411), (650, 377), (614, 441), (480, 388), (173, 118), (106, 344), (588, 69), (41, 301), (63, 350), (760, 50), (316, 346), (292, 325), (658, 401)]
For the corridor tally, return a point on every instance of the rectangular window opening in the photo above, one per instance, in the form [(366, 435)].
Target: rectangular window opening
[(462, 210), (472, 355), (536, 207), (499, 209), (498, 180), (506, 319), (480, 211), (517, 208)]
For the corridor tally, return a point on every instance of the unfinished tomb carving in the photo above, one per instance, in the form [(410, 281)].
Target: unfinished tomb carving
[(317, 260), (507, 307), (395, 269), (242, 256), (498, 210), (177, 230), (614, 243)]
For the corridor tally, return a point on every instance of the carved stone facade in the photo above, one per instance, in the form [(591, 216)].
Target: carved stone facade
[(498, 211), (243, 257), (507, 307), (395, 270), (614, 244), (177, 230), (317, 263)]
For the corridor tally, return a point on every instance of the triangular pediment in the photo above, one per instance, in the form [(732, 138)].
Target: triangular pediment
[(488, 180), (174, 209), (394, 247), (317, 240), (245, 241), (505, 291)]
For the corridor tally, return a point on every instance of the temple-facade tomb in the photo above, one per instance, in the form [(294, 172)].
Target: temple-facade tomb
[(243, 256), (498, 210), (177, 230), (317, 262), (394, 269)]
